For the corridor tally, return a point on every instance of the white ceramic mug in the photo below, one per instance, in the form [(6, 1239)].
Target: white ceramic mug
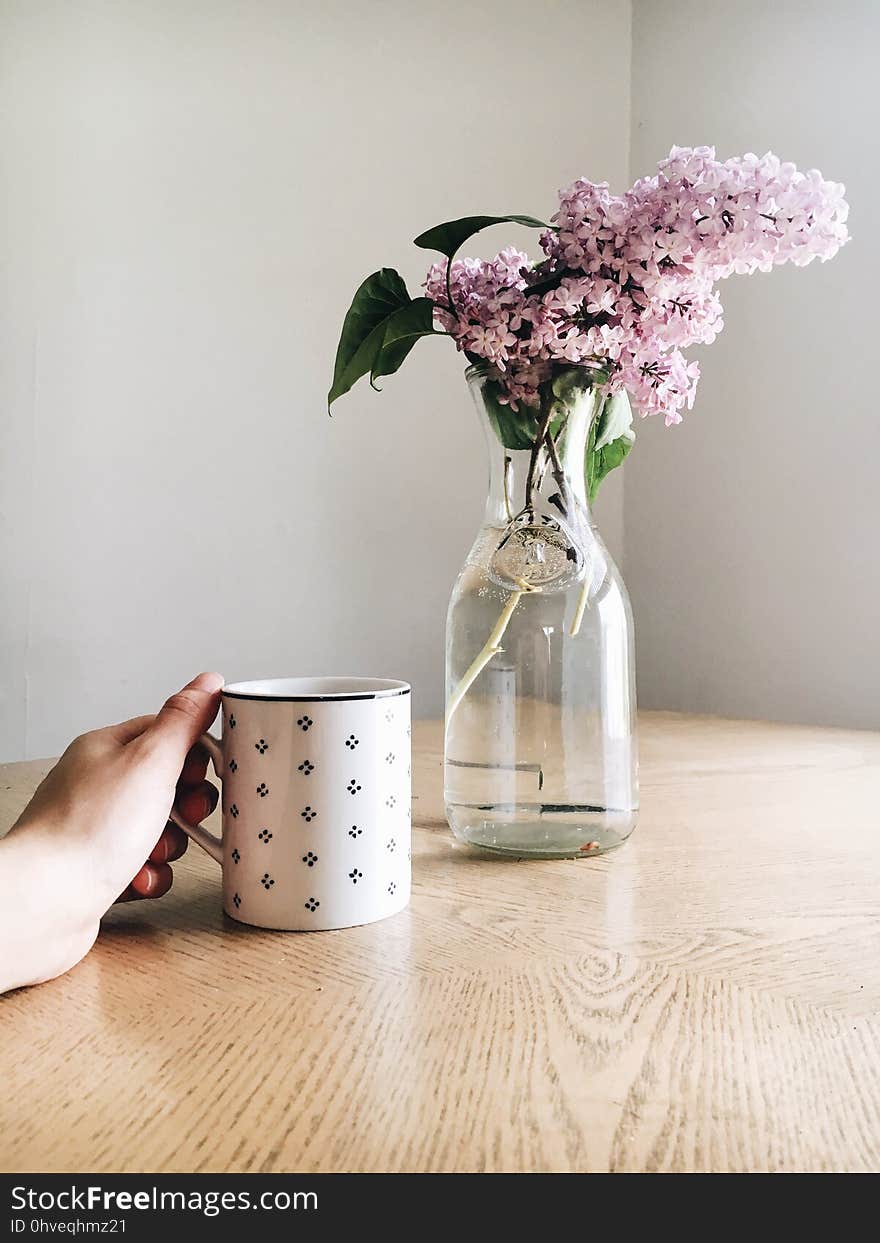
[(316, 801)]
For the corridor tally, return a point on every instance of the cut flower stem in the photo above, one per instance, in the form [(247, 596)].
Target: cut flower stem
[(491, 648), (583, 600)]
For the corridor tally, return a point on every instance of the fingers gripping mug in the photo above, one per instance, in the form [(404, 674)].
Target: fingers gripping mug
[(316, 802)]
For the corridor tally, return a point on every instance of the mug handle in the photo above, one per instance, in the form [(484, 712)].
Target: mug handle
[(213, 845)]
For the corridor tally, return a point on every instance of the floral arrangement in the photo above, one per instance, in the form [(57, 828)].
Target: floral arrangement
[(626, 283)]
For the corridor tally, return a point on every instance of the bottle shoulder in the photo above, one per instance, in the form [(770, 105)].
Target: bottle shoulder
[(596, 577), (588, 551)]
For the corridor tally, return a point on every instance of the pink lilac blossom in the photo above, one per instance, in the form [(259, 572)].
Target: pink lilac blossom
[(635, 274)]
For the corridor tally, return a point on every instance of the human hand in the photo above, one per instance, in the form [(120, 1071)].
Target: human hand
[(97, 830)]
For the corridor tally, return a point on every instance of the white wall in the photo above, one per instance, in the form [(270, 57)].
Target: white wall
[(192, 192), (751, 529)]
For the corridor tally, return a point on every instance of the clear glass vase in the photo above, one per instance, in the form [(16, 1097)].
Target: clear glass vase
[(540, 746)]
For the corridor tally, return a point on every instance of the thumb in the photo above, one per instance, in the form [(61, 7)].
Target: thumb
[(185, 716)]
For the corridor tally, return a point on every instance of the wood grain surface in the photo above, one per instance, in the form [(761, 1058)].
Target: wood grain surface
[(705, 998)]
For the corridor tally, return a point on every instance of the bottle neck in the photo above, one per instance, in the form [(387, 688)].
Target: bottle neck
[(548, 478)]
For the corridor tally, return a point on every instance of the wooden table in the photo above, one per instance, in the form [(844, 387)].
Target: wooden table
[(705, 998)]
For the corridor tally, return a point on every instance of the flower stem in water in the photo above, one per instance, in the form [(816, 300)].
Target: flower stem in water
[(581, 606), (478, 664)]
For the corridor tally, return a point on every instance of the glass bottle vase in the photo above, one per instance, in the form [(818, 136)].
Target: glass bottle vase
[(540, 745)]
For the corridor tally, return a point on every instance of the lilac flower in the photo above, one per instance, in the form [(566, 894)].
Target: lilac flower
[(636, 274)]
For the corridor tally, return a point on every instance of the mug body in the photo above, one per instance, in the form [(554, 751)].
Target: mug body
[(316, 801)]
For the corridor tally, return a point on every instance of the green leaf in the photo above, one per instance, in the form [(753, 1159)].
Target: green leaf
[(363, 329), (615, 419), (610, 440), (401, 331), (514, 428), (450, 237), (600, 462), (571, 383)]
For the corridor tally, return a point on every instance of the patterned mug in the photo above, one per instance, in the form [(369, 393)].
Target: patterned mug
[(316, 802)]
